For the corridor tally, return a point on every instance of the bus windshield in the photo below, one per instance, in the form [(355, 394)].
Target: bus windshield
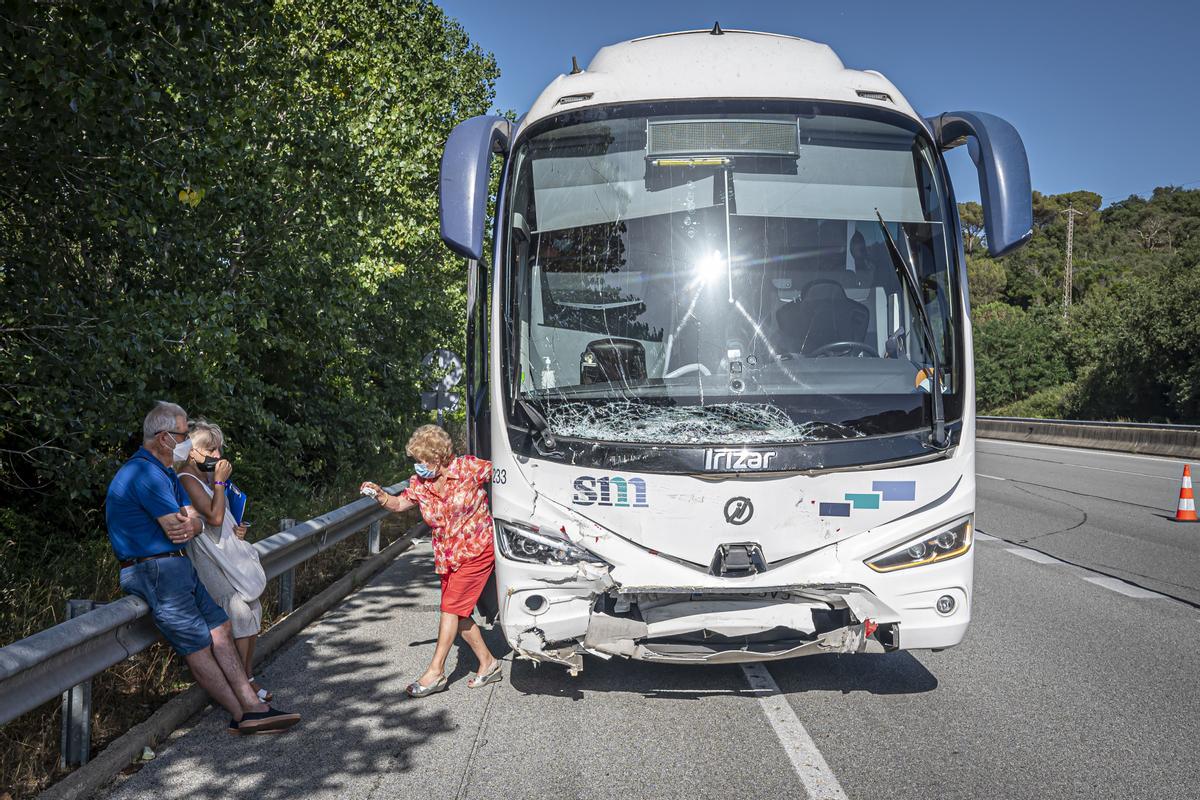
[(714, 272)]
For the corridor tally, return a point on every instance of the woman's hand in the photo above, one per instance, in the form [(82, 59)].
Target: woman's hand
[(380, 496), (223, 470), (240, 530)]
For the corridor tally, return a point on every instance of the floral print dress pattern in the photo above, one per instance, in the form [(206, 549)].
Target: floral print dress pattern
[(458, 513)]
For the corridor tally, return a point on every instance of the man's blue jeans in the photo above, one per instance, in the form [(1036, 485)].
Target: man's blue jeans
[(181, 606)]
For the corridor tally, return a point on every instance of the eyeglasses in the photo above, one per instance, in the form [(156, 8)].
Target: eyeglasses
[(175, 433)]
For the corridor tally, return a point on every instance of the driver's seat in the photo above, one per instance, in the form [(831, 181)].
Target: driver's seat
[(823, 315)]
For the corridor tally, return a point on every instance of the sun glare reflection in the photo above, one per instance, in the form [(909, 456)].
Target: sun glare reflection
[(709, 267)]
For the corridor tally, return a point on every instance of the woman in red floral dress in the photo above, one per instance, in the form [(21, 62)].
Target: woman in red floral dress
[(452, 495)]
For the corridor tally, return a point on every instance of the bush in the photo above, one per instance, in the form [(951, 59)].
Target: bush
[(1043, 404), (1137, 340), (1017, 353)]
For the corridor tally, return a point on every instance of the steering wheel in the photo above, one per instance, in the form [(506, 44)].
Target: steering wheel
[(849, 348), (687, 369)]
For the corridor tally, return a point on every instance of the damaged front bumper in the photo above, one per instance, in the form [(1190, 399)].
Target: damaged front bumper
[(560, 621)]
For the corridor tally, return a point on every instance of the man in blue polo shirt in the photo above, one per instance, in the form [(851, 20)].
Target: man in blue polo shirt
[(150, 519)]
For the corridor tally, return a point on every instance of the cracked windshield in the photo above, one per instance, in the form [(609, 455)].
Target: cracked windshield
[(726, 278)]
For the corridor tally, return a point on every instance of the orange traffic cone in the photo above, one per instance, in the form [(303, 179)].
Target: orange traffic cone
[(1186, 512)]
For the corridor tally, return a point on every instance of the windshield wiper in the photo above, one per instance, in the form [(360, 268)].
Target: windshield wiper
[(540, 426), (908, 277)]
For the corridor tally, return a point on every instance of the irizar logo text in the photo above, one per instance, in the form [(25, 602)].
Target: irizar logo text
[(734, 460)]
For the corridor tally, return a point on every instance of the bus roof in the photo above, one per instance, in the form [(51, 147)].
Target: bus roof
[(732, 64)]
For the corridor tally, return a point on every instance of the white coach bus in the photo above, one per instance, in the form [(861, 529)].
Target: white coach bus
[(721, 356)]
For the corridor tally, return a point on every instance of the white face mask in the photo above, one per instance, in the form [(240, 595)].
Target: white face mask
[(181, 451)]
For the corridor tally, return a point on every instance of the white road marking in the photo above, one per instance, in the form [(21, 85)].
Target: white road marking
[(993, 477), (1104, 581), (1129, 590), (818, 779), (980, 536), (1088, 451), (1033, 555), (1119, 471)]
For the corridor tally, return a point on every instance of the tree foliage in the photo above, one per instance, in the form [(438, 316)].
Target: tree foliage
[(1022, 352), (1125, 350), (230, 205), (971, 217), (1137, 344)]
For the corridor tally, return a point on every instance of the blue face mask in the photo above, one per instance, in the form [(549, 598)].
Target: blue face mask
[(424, 471)]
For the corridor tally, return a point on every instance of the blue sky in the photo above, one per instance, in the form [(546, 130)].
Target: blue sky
[(1105, 94)]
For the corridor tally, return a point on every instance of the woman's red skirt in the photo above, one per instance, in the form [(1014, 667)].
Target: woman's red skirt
[(462, 587)]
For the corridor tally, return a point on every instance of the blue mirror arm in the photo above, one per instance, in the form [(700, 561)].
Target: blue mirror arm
[(463, 183), (1004, 186)]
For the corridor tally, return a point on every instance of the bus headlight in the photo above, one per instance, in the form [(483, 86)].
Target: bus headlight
[(520, 543), (930, 547)]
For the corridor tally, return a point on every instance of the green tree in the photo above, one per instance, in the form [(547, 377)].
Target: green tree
[(1017, 352), (1125, 350), (987, 278), (970, 215), (229, 205), (1136, 344)]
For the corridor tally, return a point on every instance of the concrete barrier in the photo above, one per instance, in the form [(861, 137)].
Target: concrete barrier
[(1178, 441)]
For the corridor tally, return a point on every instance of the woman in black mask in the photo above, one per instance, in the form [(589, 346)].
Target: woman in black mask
[(226, 563)]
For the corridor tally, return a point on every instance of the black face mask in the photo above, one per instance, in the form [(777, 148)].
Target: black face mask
[(209, 464)]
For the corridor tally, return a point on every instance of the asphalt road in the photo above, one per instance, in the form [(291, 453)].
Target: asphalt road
[(1111, 512), (1069, 685)]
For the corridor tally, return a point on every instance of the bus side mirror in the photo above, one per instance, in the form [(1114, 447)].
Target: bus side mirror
[(999, 156), (463, 186)]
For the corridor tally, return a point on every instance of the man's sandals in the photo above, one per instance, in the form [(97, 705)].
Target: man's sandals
[(270, 721)]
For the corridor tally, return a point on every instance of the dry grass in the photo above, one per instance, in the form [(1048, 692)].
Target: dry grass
[(129, 692)]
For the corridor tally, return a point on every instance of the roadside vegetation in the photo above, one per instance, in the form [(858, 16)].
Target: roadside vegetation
[(1126, 349), (231, 206)]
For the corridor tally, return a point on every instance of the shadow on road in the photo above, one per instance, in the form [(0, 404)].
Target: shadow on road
[(885, 673), (345, 680), (892, 673)]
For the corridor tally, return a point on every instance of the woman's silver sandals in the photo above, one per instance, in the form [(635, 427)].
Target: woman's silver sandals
[(483, 679), (415, 689)]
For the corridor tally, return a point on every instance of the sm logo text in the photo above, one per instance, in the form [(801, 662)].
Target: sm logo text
[(616, 492)]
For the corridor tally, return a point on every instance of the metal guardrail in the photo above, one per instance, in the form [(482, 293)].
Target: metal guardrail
[(41, 667), (1091, 423)]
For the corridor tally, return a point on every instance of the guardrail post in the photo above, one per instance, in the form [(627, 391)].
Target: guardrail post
[(287, 580), (75, 746), (373, 537)]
